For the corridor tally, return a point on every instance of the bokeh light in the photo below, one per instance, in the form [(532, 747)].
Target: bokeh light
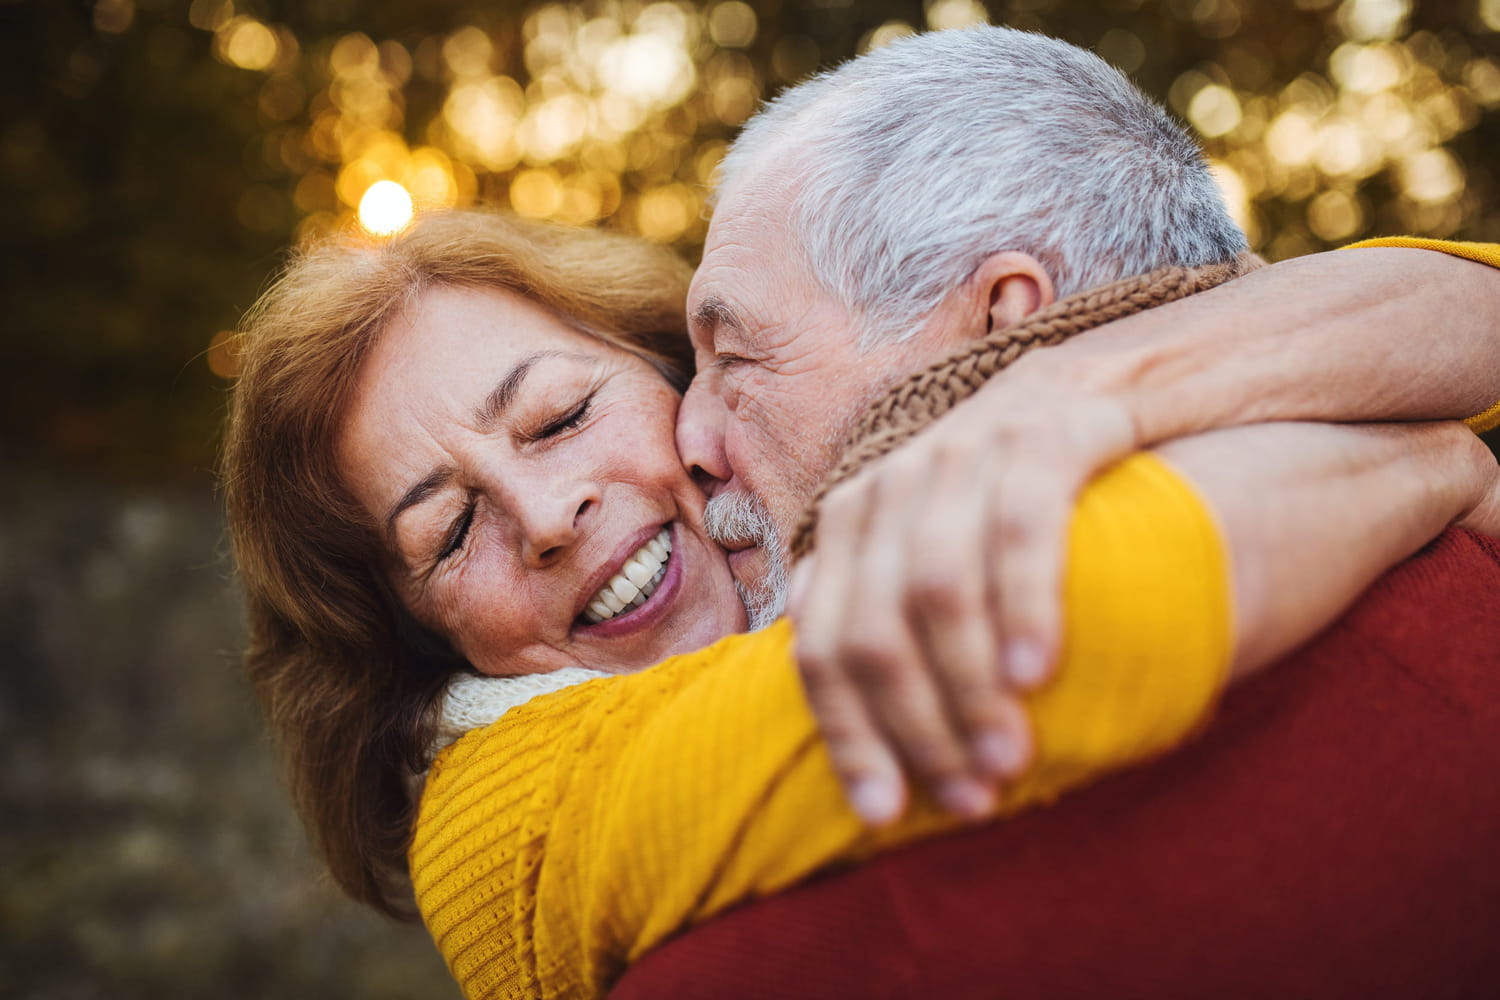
[(732, 24), (386, 208), (162, 156), (247, 43), (604, 110), (1214, 111), (1355, 122), (945, 14)]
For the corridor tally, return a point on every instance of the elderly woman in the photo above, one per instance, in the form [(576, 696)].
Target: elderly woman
[(451, 454)]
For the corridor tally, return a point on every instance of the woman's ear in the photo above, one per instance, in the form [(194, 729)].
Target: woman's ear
[(1011, 286)]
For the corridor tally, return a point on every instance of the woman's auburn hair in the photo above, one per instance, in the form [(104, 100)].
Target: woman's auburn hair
[(349, 682)]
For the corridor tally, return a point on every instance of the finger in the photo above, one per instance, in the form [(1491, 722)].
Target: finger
[(1029, 517), (963, 652), (866, 765), (944, 601), (910, 710), (1020, 748), (802, 576), (881, 651)]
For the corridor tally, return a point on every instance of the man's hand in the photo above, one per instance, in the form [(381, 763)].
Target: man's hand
[(932, 599), (897, 672)]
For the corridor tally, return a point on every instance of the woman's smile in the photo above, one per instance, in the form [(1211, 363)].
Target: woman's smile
[(640, 593), (526, 475)]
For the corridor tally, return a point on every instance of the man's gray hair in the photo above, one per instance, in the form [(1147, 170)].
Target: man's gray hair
[(914, 163)]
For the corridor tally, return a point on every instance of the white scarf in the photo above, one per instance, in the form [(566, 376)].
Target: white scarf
[(473, 701)]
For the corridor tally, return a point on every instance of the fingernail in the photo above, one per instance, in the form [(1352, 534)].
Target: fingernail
[(965, 797), (998, 752), (875, 799), (1026, 662)]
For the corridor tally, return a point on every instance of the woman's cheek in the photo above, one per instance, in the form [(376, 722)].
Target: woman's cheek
[(640, 454), (458, 599)]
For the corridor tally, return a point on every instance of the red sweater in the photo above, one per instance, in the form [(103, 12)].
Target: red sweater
[(1334, 833)]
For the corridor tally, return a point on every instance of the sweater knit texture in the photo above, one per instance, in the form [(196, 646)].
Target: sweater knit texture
[(560, 843)]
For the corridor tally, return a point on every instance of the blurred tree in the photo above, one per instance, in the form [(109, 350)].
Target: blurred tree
[(160, 154)]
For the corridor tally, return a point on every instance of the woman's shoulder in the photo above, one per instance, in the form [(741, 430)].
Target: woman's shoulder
[(506, 722)]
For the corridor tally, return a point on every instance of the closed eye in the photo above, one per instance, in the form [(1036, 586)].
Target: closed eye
[(573, 418), (458, 532)]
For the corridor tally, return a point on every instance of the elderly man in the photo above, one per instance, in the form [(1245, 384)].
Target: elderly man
[(1332, 834), (665, 796), (874, 219)]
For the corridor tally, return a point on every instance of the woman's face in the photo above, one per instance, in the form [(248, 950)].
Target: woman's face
[(527, 487)]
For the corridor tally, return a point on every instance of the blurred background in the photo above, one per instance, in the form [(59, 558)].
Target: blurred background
[(158, 158)]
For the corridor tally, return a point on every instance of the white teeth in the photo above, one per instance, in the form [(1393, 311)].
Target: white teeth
[(635, 583), (637, 573)]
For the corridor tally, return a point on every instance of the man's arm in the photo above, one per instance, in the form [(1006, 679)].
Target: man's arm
[(1369, 334), (1313, 513), (956, 539), (1364, 334), (1379, 334)]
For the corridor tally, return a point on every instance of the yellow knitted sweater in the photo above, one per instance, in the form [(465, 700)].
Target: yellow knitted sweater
[(559, 844)]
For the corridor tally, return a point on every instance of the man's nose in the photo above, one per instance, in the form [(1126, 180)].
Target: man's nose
[(700, 435)]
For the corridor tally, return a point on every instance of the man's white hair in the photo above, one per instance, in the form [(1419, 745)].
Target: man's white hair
[(914, 163)]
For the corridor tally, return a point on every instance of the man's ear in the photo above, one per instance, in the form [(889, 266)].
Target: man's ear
[(1010, 286)]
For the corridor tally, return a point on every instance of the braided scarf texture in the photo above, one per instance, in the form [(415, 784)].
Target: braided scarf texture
[(919, 399)]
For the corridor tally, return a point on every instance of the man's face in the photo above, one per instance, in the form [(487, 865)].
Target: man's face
[(780, 380)]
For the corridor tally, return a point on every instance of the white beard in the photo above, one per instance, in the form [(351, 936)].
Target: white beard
[(732, 519)]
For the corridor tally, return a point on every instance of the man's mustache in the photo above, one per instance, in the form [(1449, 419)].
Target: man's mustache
[(738, 520), (741, 520)]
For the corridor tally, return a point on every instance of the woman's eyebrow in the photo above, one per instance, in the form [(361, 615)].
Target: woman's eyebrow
[(505, 390), (485, 415), (420, 491)]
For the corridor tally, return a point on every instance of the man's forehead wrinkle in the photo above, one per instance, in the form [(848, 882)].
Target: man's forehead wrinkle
[(757, 208)]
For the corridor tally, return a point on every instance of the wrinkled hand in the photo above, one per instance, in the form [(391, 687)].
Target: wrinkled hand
[(933, 599)]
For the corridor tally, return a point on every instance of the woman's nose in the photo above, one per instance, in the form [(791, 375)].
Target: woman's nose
[(549, 523)]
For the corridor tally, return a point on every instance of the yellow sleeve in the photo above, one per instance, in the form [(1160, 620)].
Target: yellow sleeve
[(558, 845), (1484, 253)]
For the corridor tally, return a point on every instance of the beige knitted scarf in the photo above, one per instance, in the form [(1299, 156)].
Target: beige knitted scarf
[(921, 398)]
